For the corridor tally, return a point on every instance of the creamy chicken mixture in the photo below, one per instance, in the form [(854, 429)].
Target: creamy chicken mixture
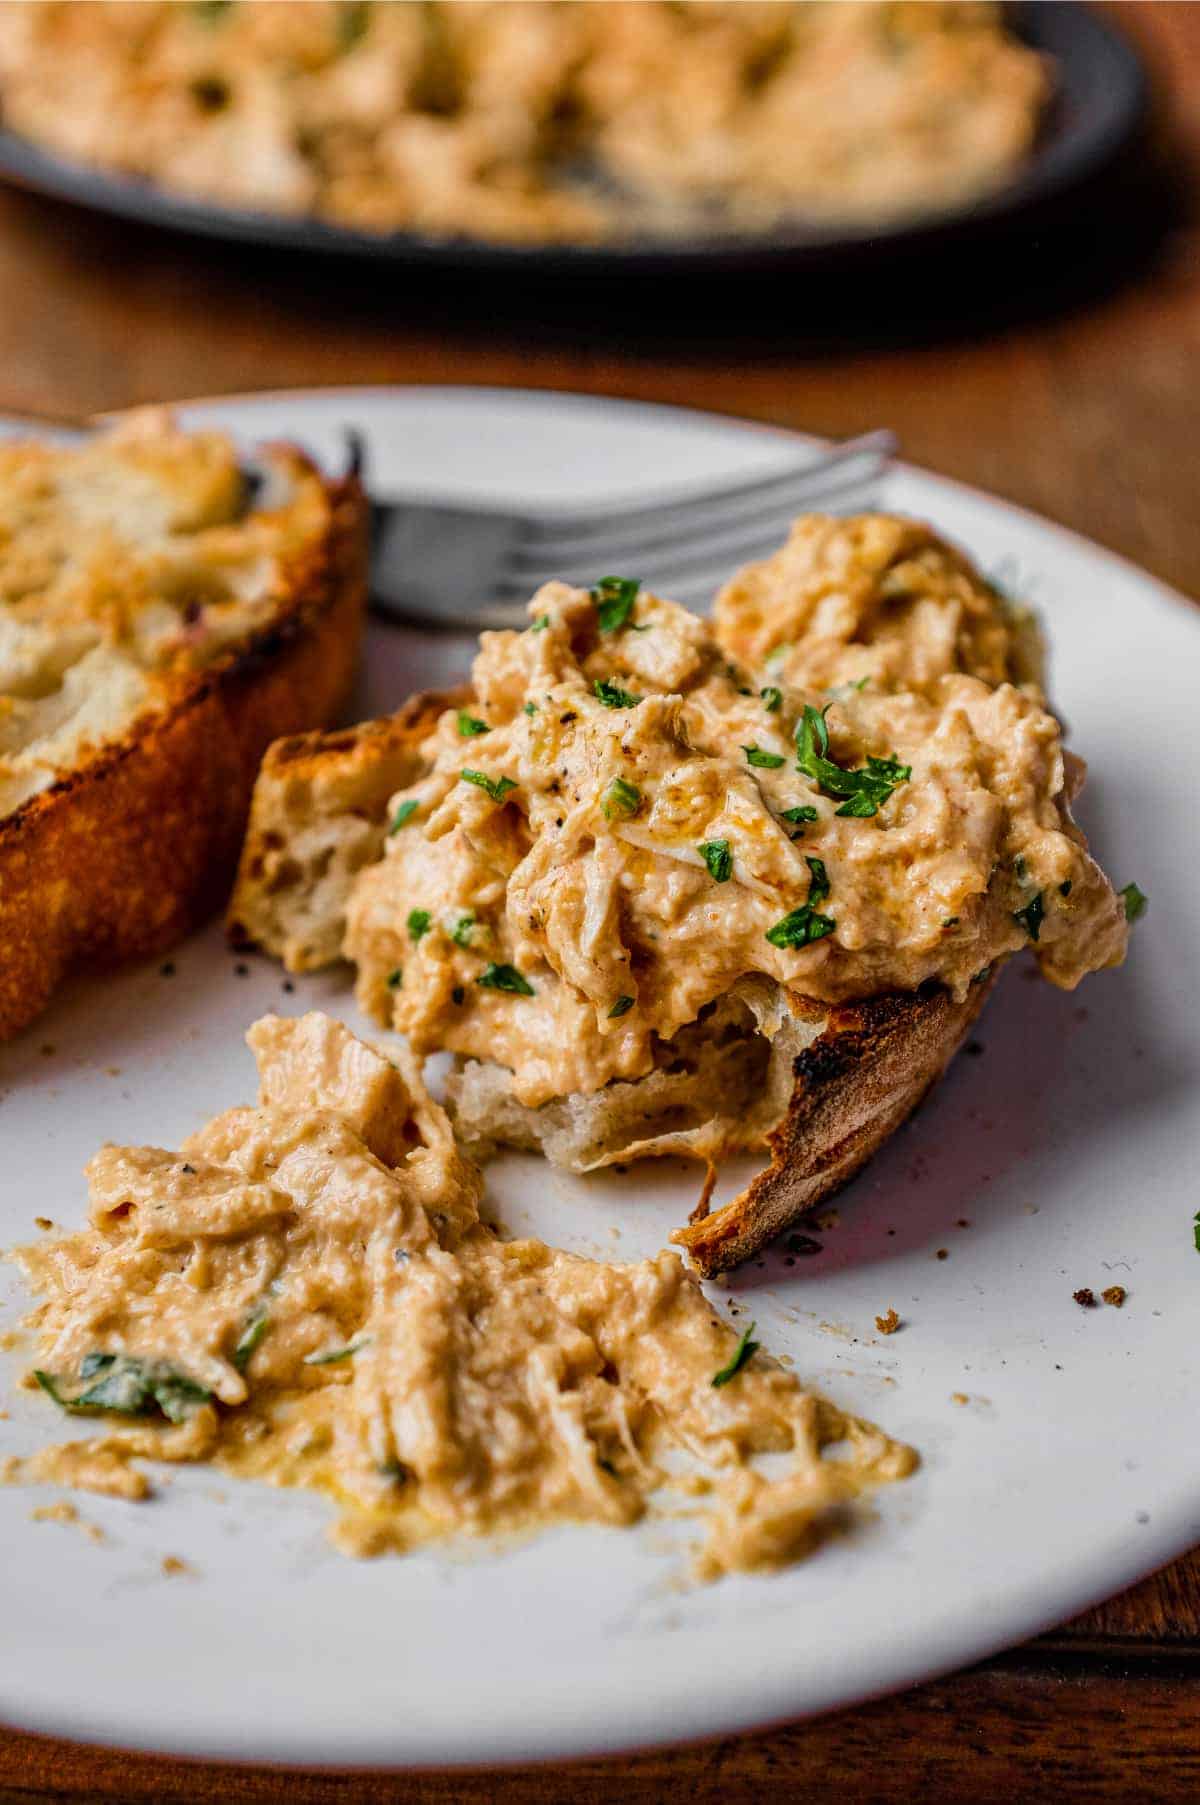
[(127, 560), (874, 598), (305, 1294), (534, 119), (624, 823)]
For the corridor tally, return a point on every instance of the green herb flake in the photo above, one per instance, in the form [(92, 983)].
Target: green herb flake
[(718, 856), (614, 598), (772, 698), (612, 695), (818, 888), (540, 624), (505, 977), (949, 921), (127, 1386), (470, 726), (403, 814), (803, 811), (395, 978), (496, 787), (622, 1006), (334, 1354), (622, 800), (1032, 916), (1196, 1231), (764, 761), (249, 1339), (801, 927), (865, 789), (530, 708), (1136, 902), (209, 11), (418, 924), (460, 933), (744, 1350)]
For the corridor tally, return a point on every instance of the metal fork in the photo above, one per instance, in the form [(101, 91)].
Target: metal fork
[(466, 567)]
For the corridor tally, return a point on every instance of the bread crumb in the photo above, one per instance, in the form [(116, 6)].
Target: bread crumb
[(171, 1564), (887, 1325), (828, 1219), (1115, 1295), (42, 1222), (959, 1397), (1085, 1297)]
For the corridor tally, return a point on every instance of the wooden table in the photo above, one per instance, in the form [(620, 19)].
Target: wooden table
[(1089, 415)]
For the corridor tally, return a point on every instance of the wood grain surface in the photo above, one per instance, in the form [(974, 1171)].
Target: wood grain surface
[(1071, 387)]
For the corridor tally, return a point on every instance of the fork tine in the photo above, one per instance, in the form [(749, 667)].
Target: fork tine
[(720, 549), (625, 545), (552, 528)]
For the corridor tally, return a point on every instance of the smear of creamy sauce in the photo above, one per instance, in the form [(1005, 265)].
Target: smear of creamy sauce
[(308, 1288), (621, 824)]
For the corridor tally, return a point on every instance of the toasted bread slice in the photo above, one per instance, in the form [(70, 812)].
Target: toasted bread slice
[(819, 1087), (318, 817), (160, 625)]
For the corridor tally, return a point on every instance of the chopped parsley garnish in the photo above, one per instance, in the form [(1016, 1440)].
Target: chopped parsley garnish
[(949, 921), (771, 698), (775, 660), (741, 1353), (505, 977), (1196, 1220), (622, 1006), (612, 695), (804, 811), (128, 1387), (496, 787), (1136, 902), (530, 708), (818, 888), (460, 933), (418, 923), (540, 624), (335, 1354), (803, 925), (621, 799), (470, 726), (1032, 916), (719, 859), (249, 1339), (395, 978), (864, 790), (404, 813), (614, 598), (766, 761)]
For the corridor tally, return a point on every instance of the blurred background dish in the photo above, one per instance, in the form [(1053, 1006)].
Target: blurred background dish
[(566, 135)]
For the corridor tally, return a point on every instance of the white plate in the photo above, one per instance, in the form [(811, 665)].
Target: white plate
[(1068, 1144)]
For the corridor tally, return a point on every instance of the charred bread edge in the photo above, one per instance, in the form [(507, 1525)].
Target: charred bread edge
[(127, 853), (855, 1084)]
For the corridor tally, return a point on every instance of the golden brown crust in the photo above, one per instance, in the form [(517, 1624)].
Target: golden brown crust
[(865, 1072), (306, 784), (134, 848)]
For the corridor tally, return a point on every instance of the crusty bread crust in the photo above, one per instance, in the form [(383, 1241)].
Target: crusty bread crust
[(867, 1070), (133, 849), (317, 817)]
